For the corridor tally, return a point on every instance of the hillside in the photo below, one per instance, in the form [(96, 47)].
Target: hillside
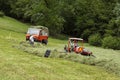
[(16, 64)]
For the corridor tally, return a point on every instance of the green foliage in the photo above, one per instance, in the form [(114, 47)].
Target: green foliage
[(61, 36), (95, 40), (1, 14), (5, 6), (86, 34), (111, 42)]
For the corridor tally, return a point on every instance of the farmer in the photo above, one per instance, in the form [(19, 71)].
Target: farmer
[(76, 43), (31, 39)]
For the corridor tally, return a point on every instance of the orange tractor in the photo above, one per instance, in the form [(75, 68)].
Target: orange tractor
[(73, 46), (39, 35)]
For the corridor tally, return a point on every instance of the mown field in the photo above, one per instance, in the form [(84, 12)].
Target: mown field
[(18, 62)]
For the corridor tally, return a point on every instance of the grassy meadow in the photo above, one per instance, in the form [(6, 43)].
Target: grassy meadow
[(18, 62)]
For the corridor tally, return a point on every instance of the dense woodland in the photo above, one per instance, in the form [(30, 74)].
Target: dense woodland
[(96, 21)]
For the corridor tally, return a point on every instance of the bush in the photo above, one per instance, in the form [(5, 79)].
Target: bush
[(1, 14), (111, 42), (86, 34), (61, 36), (95, 40)]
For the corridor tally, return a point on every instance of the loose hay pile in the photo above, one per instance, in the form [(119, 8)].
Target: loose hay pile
[(39, 50)]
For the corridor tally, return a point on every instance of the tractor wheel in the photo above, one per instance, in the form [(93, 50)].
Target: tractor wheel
[(35, 39), (65, 48), (89, 54), (27, 39), (45, 42)]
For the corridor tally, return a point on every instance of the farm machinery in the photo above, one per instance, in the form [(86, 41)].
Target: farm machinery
[(75, 46), (39, 33)]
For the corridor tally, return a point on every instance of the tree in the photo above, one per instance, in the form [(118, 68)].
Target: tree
[(78, 18)]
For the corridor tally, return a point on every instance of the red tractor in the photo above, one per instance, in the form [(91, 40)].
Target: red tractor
[(40, 35), (73, 46)]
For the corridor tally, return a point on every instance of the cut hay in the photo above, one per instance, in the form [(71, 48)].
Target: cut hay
[(40, 49)]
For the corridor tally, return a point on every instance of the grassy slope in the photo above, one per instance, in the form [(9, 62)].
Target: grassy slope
[(18, 65)]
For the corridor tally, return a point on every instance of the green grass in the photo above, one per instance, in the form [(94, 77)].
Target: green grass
[(12, 25), (15, 64)]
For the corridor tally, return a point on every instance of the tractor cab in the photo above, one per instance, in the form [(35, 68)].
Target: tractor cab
[(39, 33), (76, 45)]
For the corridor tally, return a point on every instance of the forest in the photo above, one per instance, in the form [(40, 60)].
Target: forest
[(96, 21)]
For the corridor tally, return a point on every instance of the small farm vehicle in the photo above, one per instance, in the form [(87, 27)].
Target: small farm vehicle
[(74, 46), (40, 35)]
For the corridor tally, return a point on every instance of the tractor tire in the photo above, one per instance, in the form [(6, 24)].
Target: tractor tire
[(27, 39), (45, 42), (35, 39), (65, 48)]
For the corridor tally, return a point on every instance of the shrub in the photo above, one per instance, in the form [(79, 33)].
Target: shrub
[(111, 42), (95, 40), (86, 34), (61, 36), (1, 14)]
